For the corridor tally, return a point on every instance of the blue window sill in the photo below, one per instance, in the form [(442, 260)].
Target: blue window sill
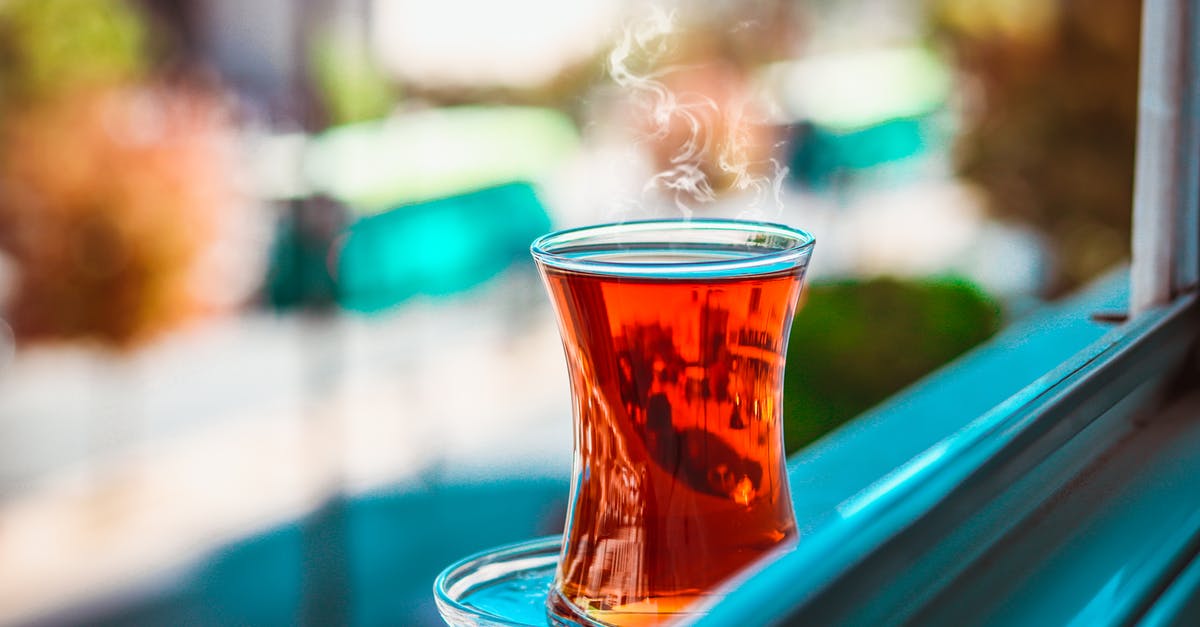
[(906, 511), (1117, 536)]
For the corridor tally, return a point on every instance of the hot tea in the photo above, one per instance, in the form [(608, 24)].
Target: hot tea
[(679, 477)]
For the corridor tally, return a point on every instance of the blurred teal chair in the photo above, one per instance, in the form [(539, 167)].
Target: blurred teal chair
[(434, 248)]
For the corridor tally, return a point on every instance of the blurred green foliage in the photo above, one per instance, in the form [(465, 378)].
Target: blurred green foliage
[(49, 45), (351, 85), (853, 344)]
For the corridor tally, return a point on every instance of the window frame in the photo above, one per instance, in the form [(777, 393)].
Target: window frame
[(886, 551), (1167, 174)]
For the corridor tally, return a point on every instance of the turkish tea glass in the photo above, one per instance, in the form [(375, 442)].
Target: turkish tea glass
[(675, 334)]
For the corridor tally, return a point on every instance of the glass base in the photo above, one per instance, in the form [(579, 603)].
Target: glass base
[(511, 586), (505, 586)]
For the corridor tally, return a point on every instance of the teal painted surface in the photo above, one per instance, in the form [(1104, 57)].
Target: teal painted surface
[(1125, 523), (1179, 606)]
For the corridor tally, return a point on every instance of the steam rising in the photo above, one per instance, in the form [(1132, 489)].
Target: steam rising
[(726, 144)]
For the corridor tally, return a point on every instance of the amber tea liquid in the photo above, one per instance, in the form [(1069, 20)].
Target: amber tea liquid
[(680, 478)]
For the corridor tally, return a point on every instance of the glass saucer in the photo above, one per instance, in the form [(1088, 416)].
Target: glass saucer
[(505, 586)]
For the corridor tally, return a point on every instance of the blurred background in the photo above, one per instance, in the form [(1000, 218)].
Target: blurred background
[(272, 349)]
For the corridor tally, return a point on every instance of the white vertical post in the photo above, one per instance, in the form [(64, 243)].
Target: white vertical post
[(1187, 236), (1159, 176)]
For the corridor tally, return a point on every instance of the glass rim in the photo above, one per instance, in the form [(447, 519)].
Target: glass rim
[(548, 249)]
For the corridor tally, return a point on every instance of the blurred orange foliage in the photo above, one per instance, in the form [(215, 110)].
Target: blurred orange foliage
[(109, 199)]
